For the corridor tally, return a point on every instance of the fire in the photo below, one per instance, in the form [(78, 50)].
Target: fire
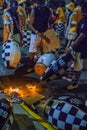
[(30, 86), (13, 91), (10, 90), (23, 92)]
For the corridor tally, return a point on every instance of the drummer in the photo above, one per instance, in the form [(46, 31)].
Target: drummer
[(22, 14), (39, 20), (1, 4), (11, 22)]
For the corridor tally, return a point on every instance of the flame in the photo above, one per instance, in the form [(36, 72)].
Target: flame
[(14, 90), (31, 87), (22, 92), (10, 90)]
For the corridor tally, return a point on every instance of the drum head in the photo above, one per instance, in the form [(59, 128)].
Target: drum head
[(39, 69)]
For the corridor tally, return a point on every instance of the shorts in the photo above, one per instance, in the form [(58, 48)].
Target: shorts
[(34, 43)]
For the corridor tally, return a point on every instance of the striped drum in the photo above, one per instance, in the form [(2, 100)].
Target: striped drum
[(11, 54), (43, 62)]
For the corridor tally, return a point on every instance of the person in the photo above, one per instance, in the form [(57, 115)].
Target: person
[(71, 23), (40, 23), (79, 45), (11, 23), (1, 4), (6, 5), (39, 20), (60, 21), (22, 14)]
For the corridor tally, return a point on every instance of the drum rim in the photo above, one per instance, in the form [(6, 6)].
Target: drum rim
[(38, 64)]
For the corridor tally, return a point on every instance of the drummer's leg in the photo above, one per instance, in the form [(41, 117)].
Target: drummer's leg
[(33, 46)]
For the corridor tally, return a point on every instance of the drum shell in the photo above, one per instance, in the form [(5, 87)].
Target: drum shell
[(66, 112), (26, 38), (11, 54), (43, 62)]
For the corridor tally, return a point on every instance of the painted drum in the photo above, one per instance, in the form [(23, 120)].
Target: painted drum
[(11, 54), (26, 38), (6, 114), (58, 66), (43, 62), (66, 113)]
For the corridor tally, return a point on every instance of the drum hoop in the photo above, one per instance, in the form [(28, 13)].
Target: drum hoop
[(41, 63)]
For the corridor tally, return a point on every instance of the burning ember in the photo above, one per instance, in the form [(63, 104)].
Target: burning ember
[(18, 94), (30, 86), (14, 92), (10, 90), (20, 91)]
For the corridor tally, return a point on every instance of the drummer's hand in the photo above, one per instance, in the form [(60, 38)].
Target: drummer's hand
[(72, 43), (68, 49), (39, 34)]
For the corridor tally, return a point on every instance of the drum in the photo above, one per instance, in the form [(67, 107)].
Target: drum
[(59, 28), (53, 41), (11, 54), (43, 62), (26, 38), (66, 113)]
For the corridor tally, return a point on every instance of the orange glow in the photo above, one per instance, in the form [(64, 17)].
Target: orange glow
[(14, 90), (10, 90), (31, 87), (22, 92)]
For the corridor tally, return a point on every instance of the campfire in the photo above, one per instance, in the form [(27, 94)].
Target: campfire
[(20, 91)]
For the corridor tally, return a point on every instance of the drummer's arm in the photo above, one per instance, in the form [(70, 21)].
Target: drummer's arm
[(32, 21), (10, 28), (52, 19), (8, 24)]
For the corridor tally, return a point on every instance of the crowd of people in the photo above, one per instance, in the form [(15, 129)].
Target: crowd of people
[(69, 21)]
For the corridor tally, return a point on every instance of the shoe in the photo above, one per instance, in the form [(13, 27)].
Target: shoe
[(30, 70), (68, 79), (70, 87)]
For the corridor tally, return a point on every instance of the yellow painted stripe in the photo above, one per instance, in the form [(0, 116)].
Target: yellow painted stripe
[(38, 118)]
